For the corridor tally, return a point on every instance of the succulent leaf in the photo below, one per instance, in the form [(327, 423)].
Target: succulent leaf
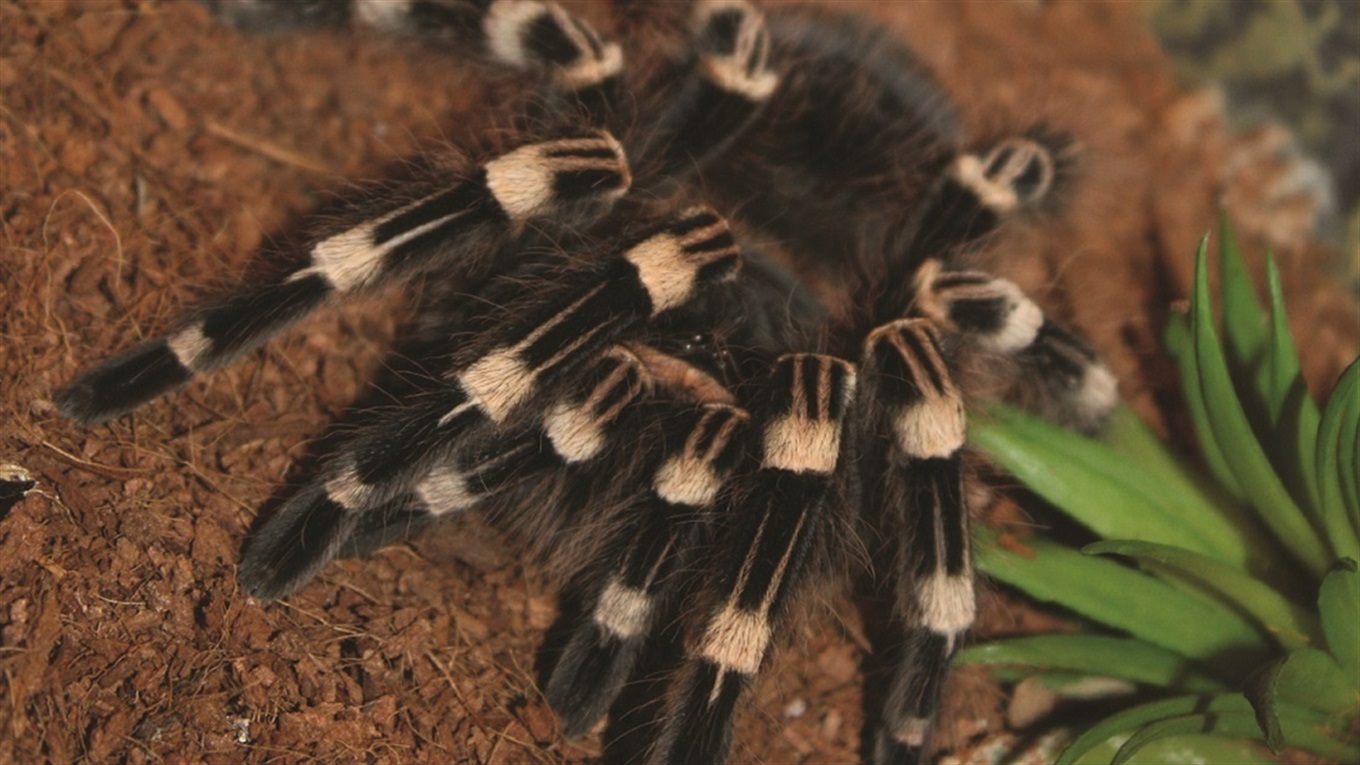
[(1220, 601), (1339, 606), (1094, 656), (1120, 597), (1246, 458), (1291, 625)]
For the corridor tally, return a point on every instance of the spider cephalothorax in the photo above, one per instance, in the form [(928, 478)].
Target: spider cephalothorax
[(697, 337)]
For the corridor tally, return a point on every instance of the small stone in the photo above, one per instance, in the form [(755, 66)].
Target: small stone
[(1032, 701)]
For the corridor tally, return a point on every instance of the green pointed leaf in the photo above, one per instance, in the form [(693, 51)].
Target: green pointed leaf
[(1327, 737), (1068, 685), (1247, 335), (1135, 442), (1095, 655), (1305, 679), (1189, 750), (1339, 607), (1234, 724), (1348, 461), (1125, 723), (1129, 721), (1245, 331), (1311, 678), (1294, 415), (1179, 345), (1126, 599), (1281, 360), (1291, 625), (1245, 457), (1261, 691), (1224, 723), (1337, 464), (1131, 438), (1100, 489), (1348, 455)]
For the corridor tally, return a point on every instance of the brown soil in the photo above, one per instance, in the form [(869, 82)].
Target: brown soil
[(146, 152)]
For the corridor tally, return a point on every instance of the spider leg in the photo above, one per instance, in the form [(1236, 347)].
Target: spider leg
[(916, 493), (605, 644), (312, 528), (579, 66), (541, 340), (1057, 372), (773, 522), (539, 346), (725, 82), (981, 189), (519, 35), (571, 180), (729, 80), (976, 193)]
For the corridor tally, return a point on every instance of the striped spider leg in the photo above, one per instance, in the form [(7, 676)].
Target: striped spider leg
[(916, 496), (771, 523), (502, 384), (1055, 371), (915, 501), (551, 453), (635, 581), (461, 227)]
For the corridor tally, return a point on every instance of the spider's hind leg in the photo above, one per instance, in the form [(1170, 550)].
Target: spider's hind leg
[(723, 81), (983, 188), (580, 69), (726, 80), (519, 35)]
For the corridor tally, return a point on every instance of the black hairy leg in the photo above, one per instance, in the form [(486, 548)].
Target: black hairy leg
[(701, 335)]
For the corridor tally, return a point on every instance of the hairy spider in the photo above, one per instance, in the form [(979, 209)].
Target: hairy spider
[(702, 336)]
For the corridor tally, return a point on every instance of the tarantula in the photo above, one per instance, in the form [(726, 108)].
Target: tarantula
[(701, 336)]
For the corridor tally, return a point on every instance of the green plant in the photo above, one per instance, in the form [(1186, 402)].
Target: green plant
[(1241, 616)]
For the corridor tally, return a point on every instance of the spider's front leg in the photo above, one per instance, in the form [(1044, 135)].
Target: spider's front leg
[(568, 182), (916, 502), (770, 526)]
